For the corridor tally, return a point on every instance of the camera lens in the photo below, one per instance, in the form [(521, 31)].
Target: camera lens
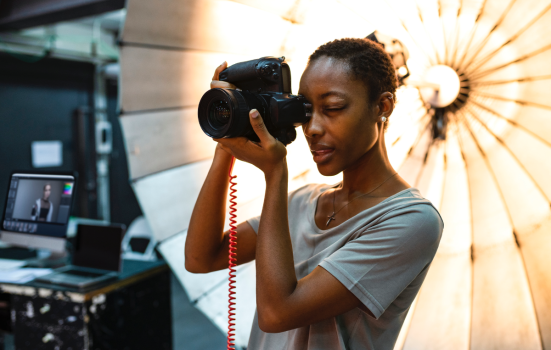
[(219, 114), (225, 112)]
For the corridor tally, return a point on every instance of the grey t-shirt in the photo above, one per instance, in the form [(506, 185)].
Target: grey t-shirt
[(381, 255)]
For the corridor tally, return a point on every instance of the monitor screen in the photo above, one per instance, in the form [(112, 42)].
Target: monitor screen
[(39, 204)]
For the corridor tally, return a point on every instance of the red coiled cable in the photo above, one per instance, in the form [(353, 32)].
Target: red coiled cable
[(232, 259)]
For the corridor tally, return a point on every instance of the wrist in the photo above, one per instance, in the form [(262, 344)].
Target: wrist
[(276, 173), (221, 155)]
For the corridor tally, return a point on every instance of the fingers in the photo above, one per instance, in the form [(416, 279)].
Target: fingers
[(223, 146), (218, 69), (215, 83), (259, 127), (221, 85)]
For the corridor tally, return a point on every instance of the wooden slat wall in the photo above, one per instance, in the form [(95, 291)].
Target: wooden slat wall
[(159, 141), (160, 79), (169, 53), (167, 198), (205, 25)]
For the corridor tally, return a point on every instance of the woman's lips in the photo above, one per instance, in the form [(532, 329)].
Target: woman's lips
[(322, 155)]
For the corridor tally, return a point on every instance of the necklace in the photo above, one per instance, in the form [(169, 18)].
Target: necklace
[(332, 216)]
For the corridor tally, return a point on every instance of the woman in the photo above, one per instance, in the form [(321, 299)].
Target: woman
[(337, 266), (43, 208)]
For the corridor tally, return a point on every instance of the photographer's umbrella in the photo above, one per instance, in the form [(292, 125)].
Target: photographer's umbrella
[(472, 130)]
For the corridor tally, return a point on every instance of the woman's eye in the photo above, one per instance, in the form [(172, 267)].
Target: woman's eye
[(334, 108)]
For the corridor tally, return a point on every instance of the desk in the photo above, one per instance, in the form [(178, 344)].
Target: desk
[(131, 312)]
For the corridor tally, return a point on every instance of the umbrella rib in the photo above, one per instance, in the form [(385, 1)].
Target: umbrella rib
[(443, 32), (504, 144), (399, 19), (520, 102), (445, 175), (407, 131), (521, 253), (427, 56), (420, 15), (461, 146), (455, 42), (424, 163), (487, 37), (419, 136), (520, 59), (515, 124), (511, 39), (519, 80), (473, 30)]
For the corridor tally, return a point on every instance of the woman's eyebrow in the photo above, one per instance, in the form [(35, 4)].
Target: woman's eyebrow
[(332, 93)]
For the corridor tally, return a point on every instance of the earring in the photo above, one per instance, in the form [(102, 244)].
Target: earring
[(383, 119)]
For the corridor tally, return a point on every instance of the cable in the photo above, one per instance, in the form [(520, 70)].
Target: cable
[(232, 252)]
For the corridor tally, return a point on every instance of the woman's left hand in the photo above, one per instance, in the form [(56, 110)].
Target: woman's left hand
[(266, 155)]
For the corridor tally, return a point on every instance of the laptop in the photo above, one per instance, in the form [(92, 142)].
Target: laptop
[(96, 257)]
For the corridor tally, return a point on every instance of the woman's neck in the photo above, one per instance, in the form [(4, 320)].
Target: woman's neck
[(369, 171)]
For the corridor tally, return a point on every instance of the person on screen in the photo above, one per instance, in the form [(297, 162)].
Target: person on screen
[(43, 208)]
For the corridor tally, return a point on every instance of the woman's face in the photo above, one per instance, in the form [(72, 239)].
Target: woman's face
[(343, 126), (47, 190)]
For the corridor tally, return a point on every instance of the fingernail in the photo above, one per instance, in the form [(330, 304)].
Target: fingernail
[(254, 113), (222, 64)]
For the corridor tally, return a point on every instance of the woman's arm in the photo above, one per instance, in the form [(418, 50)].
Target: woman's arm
[(206, 244), (284, 303)]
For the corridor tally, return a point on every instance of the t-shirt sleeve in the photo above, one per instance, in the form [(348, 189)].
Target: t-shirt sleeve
[(255, 223), (385, 258)]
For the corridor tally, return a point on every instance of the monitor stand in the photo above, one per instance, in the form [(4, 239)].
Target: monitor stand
[(40, 258), (48, 259), (17, 253)]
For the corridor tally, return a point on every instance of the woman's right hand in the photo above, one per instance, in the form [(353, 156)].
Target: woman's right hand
[(215, 83)]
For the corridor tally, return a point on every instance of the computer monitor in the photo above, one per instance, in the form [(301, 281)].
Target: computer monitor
[(37, 210)]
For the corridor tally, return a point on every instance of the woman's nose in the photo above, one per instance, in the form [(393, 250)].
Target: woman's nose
[(313, 128)]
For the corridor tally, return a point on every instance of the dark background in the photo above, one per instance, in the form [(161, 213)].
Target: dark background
[(39, 102)]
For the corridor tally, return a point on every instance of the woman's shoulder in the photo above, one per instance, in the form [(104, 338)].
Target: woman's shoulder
[(412, 209)]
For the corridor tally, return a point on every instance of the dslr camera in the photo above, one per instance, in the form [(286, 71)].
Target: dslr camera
[(263, 84)]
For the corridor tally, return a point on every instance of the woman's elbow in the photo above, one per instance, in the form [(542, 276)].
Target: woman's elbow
[(194, 266), (271, 321)]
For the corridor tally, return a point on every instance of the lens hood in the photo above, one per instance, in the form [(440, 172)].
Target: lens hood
[(234, 121)]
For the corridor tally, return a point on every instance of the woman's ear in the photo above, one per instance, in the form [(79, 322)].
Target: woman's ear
[(386, 104)]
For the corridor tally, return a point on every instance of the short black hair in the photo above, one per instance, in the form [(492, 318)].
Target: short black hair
[(367, 61)]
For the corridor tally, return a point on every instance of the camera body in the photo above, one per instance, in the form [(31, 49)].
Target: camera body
[(263, 84)]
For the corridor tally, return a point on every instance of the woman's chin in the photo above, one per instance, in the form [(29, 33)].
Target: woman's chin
[(328, 170)]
